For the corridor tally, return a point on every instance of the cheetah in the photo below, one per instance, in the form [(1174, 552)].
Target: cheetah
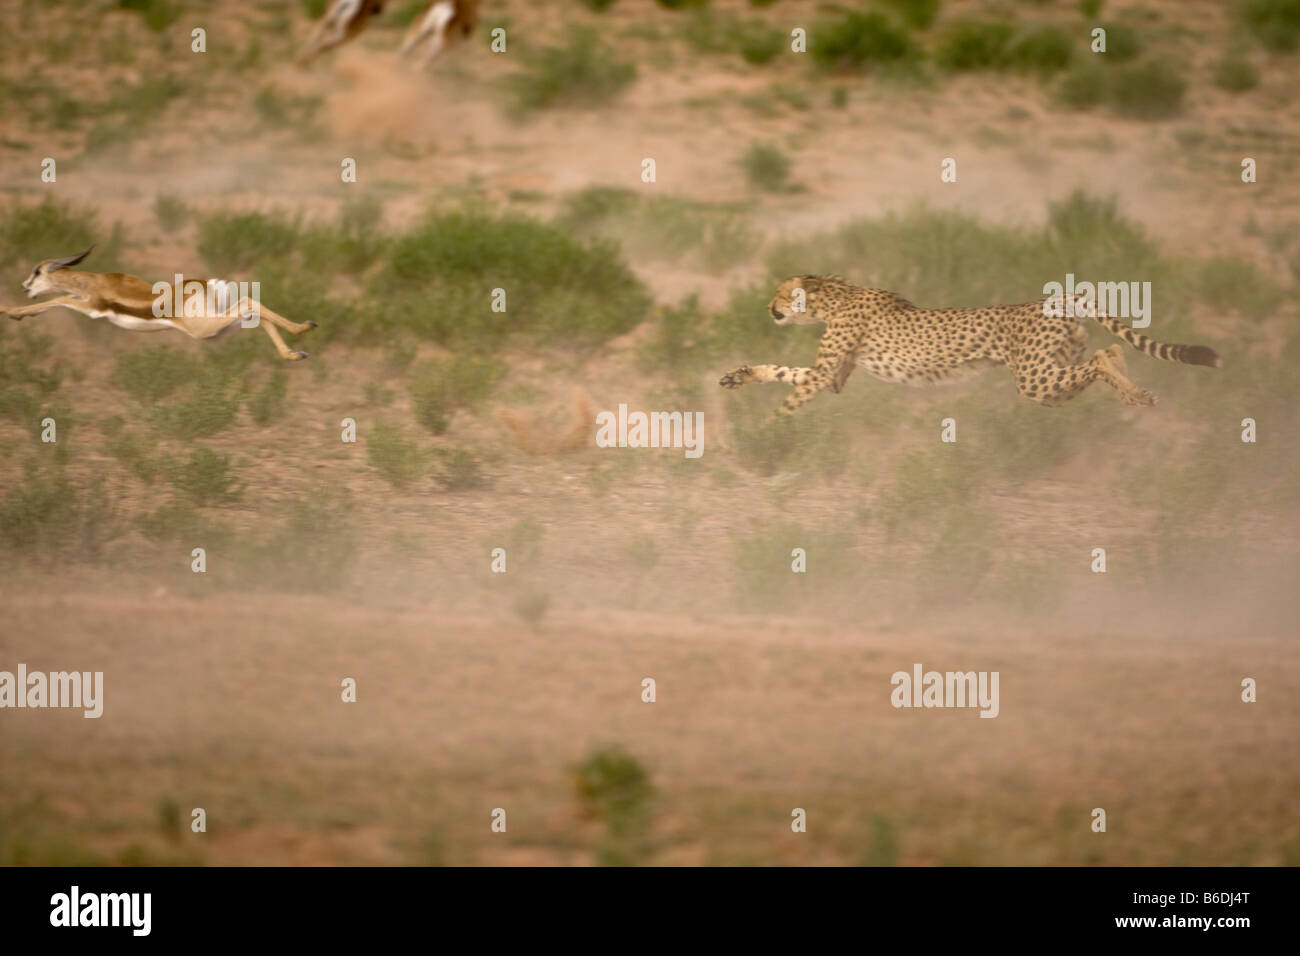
[(897, 342)]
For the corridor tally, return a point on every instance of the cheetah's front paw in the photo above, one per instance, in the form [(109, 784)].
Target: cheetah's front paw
[(1139, 397), (737, 377)]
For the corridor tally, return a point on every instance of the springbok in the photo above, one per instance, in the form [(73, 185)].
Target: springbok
[(344, 20), (443, 24), (202, 309)]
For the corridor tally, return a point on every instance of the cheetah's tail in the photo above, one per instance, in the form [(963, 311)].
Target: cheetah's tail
[(1187, 354)]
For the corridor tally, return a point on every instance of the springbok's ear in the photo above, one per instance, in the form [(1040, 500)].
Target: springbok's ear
[(69, 261), (810, 283)]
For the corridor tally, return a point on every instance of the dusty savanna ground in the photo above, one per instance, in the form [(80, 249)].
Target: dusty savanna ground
[(478, 691)]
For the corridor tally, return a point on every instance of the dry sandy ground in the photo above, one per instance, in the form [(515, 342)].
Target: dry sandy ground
[(233, 704)]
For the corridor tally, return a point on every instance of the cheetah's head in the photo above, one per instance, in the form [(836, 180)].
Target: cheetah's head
[(801, 300)]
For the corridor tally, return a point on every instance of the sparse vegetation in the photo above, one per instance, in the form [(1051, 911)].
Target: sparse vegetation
[(1275, 23), (766, 167), (857, 40), (585, 72), (1235, 74), (397, 458)]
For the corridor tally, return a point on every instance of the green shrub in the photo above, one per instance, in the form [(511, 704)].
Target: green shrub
[(461, 470), (1043, 51), (531, 607), (1275, 23), (583, 73), (613, 786), (441, 386), (1122, 43), (1083, 87), (1235, 74), (44, 515), (171, 212), (1234, 284), (1147, 91), (152, 374), (438, 279), (974, 45), (205, 478), (759, 43), (400, 460), (50, 228), (236, 242), (917, 14), (158, 14), (212, 407), (856, 40), (267, 404), (766, 167)]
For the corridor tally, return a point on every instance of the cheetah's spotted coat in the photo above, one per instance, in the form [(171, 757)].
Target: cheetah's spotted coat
[(895, 341)]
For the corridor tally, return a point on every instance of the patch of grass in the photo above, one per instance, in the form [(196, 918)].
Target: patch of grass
[(267, 404), (759, 43), (171, 212), (439, 387), (153, 374), (45, 516), (1043, 51), (1234, 284), (438, 279), (856, 40), (210, 408), (1122, 43), (974, 45), (1083, 87), (205, 478), (158, 15), (585, 72), (237, 242), (23, 380), (883, 848), (50, 228), (1235, 74), (917, 14), (352, 244), (460, 470), (531, 607), (1148, 91), (398, 459), (1275, 23), (613, 786), (766, 167), (599, 6)]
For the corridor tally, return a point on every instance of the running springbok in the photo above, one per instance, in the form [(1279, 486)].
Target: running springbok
[(443, 24), (202, 309)]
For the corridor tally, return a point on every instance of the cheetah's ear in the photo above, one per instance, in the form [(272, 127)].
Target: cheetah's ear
[(810, 283)]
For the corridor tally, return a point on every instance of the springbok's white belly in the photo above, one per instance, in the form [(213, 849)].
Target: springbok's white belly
[(134, 323)]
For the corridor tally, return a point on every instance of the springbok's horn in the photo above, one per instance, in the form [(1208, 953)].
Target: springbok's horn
[(69, 261)]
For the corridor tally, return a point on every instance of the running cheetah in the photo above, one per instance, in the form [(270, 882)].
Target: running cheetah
[(895, 341)]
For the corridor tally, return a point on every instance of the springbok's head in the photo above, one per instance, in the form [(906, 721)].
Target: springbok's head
[(39, 282)]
